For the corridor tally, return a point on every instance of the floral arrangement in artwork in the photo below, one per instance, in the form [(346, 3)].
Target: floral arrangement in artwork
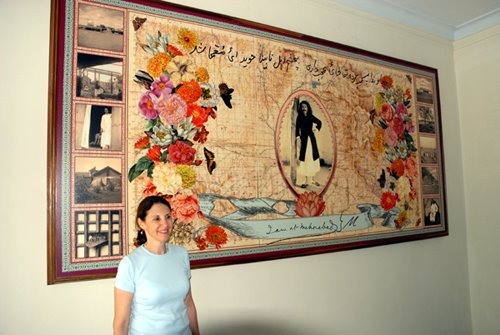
[(394, 140), (178, 101), (309, 204)]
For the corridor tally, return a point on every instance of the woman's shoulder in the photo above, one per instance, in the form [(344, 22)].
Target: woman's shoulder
[(177, 249)]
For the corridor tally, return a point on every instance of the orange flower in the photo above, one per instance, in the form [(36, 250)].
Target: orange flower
[(309, 204), (199, 114), (154, 153), (216, 236), (190, 91), (386, 82), (149, 188), (398, 166), (158, 63), (378, 140), (202, 74), (142, 142), (187, 39), (401, 220), (201, 243)]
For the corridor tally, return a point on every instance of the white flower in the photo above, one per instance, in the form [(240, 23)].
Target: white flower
[(403, 188), (181, 68), (210, 95), (165, 178), (162, 135)]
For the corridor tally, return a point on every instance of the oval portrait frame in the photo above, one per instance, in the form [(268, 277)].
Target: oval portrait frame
[(284, 137)]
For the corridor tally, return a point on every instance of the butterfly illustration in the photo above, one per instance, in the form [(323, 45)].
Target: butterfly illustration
[(143, 78), (209, 155), (138, 22), (225, 93)]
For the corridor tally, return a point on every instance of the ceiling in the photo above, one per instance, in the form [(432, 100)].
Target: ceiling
[(451, 19)]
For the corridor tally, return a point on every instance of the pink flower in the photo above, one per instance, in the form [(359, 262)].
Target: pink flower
[(387, 112), (185, 207), (398, 125), (391, 137), (147, 106), (171, 108), (181, 153), (409, 126), (411, 167), (401, 109), (163, 85), (309, 204)]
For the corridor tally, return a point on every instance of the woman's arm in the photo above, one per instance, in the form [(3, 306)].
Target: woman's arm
[(193, 317), (123, 301)]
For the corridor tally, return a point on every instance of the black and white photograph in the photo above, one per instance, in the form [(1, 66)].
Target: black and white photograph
[(307, 144), (424, 90), (430, 180), (99, 77), (98, 233), (100, 28), (426, 119), (98, 180), (98, 127), (432, 212), (428, 150)]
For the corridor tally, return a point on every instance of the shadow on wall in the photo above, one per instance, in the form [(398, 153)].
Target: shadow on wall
[(256, 328)]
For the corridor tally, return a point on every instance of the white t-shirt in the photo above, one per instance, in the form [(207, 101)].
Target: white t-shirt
[(160, 284)]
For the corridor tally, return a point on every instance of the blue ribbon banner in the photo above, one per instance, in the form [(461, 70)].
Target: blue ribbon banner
[(291, 226)]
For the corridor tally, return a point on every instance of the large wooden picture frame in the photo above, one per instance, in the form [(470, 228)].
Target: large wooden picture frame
[(267, 143)]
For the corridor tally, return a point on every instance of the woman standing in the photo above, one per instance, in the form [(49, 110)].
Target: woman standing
[(152, 288), (106, 129), (305, 127)]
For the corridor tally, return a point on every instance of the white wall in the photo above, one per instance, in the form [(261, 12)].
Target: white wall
[(477, 63), (412, 288)]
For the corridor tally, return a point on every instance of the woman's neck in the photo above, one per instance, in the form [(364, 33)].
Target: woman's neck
[(157, 248)]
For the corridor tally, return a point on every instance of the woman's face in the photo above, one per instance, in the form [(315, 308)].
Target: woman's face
[(434, 208), (158, 223)]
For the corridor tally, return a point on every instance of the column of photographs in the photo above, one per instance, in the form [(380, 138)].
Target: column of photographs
[(98, 154), (429, 156)]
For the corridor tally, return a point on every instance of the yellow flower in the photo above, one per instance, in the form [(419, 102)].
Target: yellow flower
[(188, 175), (187, 39), (158, 63), (378, 140), (202, 74), (379, 101)]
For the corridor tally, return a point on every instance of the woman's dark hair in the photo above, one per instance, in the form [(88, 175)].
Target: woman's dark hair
[(142, 211)]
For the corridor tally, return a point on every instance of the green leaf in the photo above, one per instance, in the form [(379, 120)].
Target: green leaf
[(144, 163)]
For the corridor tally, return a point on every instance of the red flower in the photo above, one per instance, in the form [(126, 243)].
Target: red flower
[(309, 204), (142, 142), (190, 91), (199, 114), (398, 125), (216, 236), (388, 200), (386, 82), (201, 243), (174, 51), (408, 93), (201, 135), (154, 153), (181, 153), (211, 112), (398, 166)]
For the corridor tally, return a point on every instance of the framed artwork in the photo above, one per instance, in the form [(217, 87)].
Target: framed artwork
[(267, 143)]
